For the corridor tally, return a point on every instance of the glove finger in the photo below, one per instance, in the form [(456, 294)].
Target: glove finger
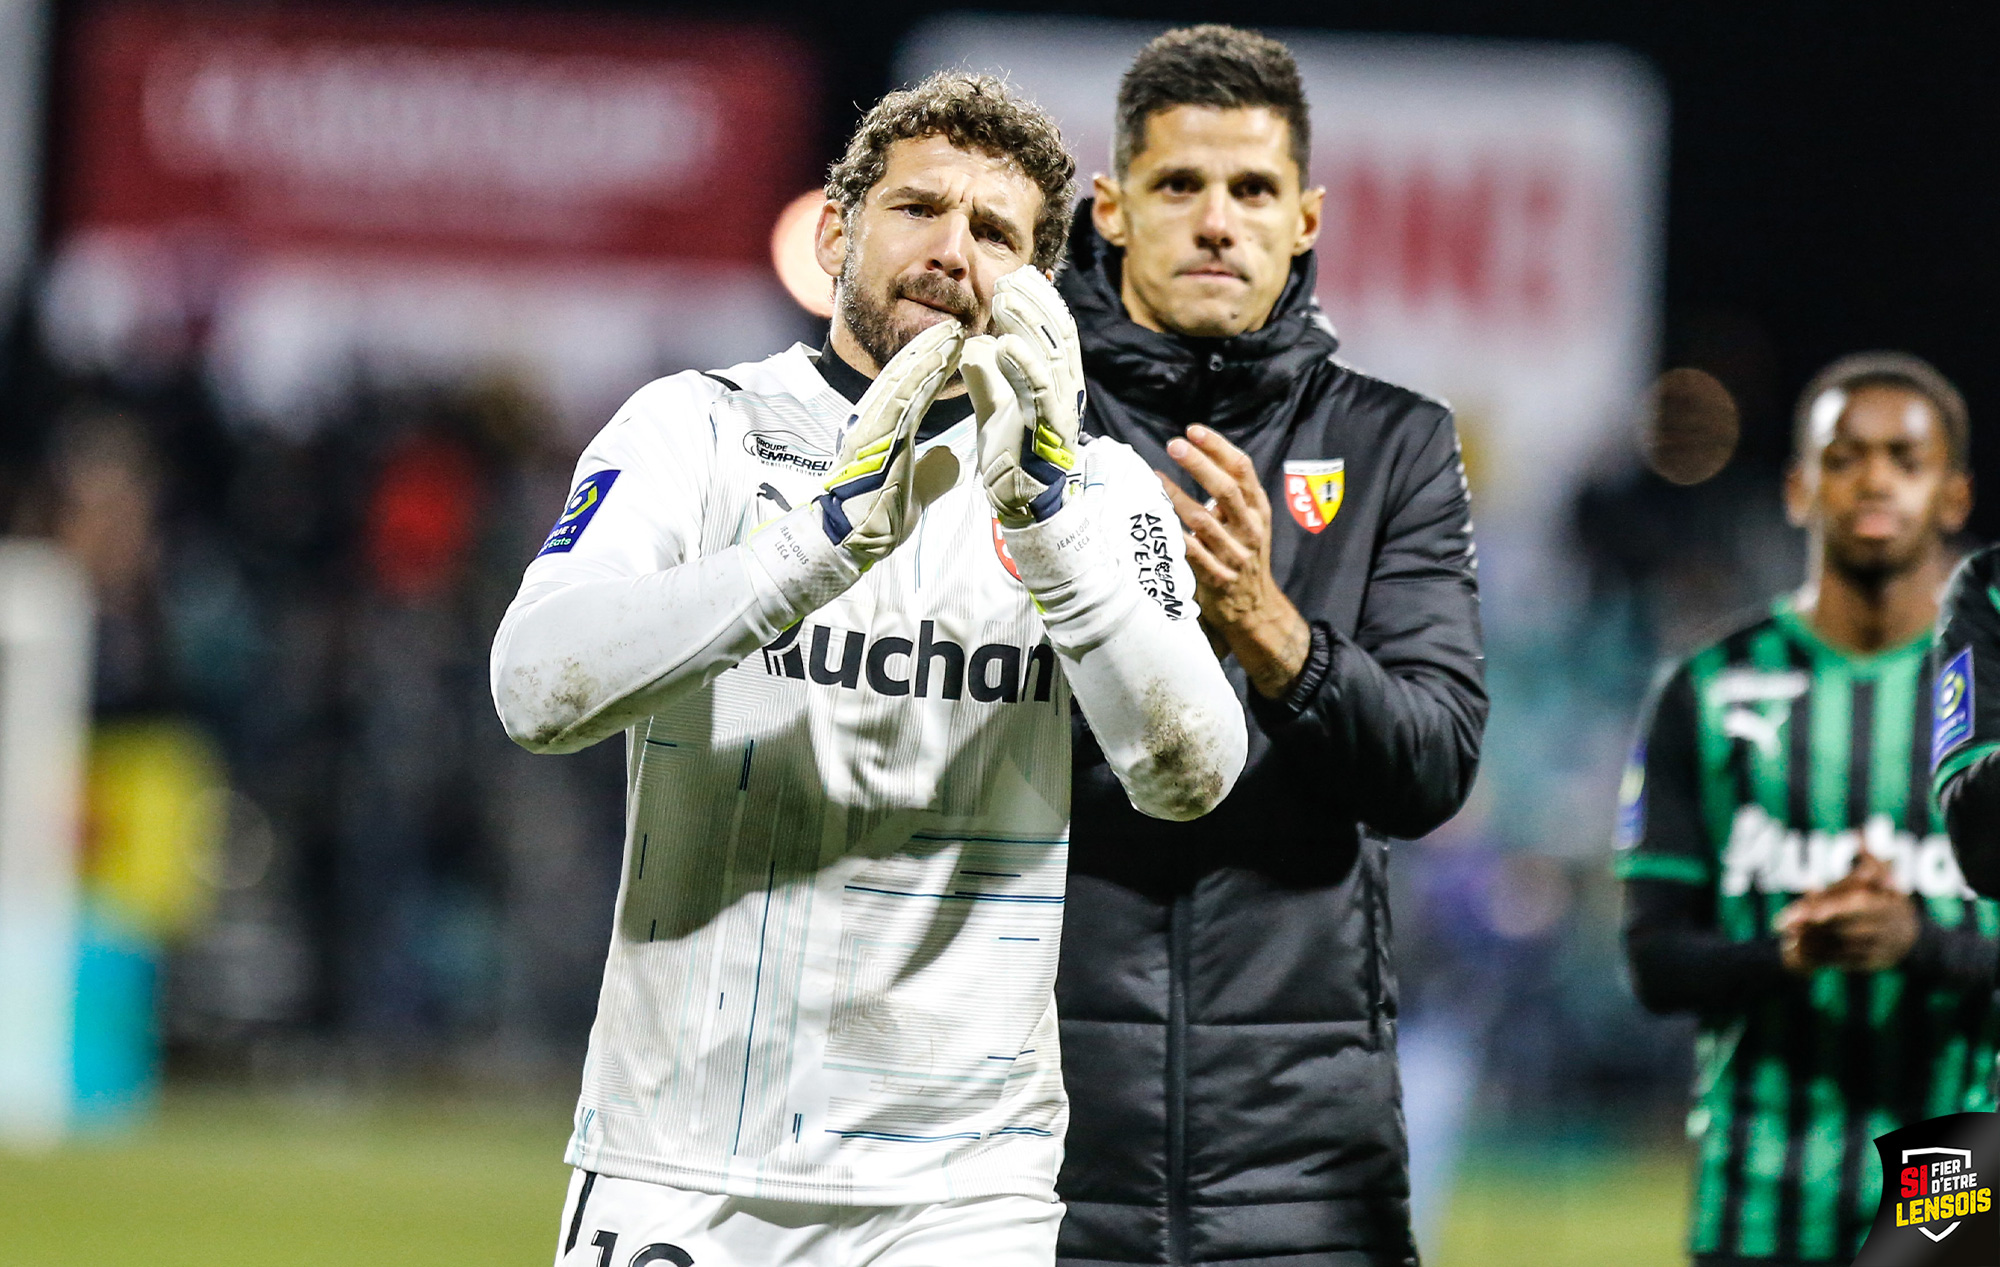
[(985, 382), (1034, 377), (920, 395), (1028, 304), (1025, 368), (913, 376), (936, 474), (1023, 322), (1031, 301), (932, 346)]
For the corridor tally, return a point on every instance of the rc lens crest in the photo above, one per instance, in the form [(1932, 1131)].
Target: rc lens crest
[(1314, 491)]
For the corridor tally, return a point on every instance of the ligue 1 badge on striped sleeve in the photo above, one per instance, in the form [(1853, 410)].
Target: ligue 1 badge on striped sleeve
[(1937, 1195), (1314, 491), (577, 512), (1632, 799), (1951, 720)]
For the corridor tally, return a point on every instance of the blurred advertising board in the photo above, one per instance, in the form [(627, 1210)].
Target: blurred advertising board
[(1492, 230), (22, 27), (585, 198)]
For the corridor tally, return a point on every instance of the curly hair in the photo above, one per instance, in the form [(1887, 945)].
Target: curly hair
[(973, 112)]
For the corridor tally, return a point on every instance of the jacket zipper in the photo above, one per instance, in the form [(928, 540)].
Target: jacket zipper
[(1177, 1212)]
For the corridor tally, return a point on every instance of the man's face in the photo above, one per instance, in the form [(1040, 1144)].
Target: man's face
[(926, 244), (1210, 214), (1875, 481)]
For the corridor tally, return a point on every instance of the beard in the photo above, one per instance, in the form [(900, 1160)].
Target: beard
[(874, 324)]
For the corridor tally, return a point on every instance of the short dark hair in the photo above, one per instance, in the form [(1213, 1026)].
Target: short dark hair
[(1211, 65), (1890, 369), (973, 112)]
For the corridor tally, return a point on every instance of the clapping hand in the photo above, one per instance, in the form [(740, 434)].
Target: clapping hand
[(1026, 384), (1860, 923), (876, 492), (1229, 548)]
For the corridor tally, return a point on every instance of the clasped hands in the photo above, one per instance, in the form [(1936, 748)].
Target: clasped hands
[(1860, 923), (1026, 384)]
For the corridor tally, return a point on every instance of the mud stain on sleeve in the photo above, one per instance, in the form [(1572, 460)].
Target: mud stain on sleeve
[(1187, 779), (540, 716)]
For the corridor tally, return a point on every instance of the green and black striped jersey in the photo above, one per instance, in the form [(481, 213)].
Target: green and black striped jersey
[(1769, 759), (1965, 729)]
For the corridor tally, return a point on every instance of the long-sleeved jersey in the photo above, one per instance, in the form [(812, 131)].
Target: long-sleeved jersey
[(1771, 758), (1965, 721), (848, 797)]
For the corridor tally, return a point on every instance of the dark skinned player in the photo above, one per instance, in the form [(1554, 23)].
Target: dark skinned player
[(1786, 875)]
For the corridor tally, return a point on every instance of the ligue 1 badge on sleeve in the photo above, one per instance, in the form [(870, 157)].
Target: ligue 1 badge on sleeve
[(1937, 1195)]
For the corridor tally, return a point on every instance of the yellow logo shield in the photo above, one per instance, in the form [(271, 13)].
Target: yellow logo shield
[(1313, 491)]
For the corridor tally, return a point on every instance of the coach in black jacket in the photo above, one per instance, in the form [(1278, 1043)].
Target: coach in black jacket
[(1228, 1005)]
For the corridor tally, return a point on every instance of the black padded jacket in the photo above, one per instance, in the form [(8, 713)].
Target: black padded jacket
[(1227, 1000)]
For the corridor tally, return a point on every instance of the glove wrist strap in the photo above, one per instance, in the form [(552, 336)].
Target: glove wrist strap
[(805, 567)]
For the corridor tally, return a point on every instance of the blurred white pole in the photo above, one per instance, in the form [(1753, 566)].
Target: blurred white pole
[(45, 637), (23, 30)]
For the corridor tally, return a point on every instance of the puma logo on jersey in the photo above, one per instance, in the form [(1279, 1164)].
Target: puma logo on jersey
[(1766, 855), (1746, 697), (1759, 729), (994, 673)]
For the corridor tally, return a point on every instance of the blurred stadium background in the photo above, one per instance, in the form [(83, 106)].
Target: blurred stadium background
[(307, 308)]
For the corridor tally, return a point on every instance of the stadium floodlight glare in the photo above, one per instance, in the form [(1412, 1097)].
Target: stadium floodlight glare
[(792, 254)]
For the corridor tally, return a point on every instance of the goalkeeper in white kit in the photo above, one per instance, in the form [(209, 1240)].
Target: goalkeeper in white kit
[(838, 602)]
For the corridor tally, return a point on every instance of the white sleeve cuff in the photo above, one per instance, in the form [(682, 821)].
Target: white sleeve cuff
[(799, 568), (1073, 573)]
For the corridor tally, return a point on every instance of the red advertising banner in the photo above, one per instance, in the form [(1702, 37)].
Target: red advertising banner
[(514, 135)]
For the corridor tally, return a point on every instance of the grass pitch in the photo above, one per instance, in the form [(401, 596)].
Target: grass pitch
[(231, 1180), (1566, 1208), (219, 1180)]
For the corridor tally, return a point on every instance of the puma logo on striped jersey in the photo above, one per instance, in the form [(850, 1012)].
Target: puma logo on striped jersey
[(1745, 697), (1758, 728)]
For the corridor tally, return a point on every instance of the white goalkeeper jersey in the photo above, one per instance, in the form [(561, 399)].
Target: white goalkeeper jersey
[(830, 975)]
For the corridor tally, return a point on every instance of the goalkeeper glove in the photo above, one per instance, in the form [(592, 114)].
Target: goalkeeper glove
[(1026, 383), (876, 493)]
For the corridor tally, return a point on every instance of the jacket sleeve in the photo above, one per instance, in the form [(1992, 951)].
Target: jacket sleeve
[(621, 608), (1965, 726), (1396, 712), (1109, 575)]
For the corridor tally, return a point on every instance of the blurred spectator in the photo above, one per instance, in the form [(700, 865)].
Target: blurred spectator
[(290, 649), (175, 629)]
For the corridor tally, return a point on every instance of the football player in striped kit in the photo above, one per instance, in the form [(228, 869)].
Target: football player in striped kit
[(1787, 878), (838, 606)]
